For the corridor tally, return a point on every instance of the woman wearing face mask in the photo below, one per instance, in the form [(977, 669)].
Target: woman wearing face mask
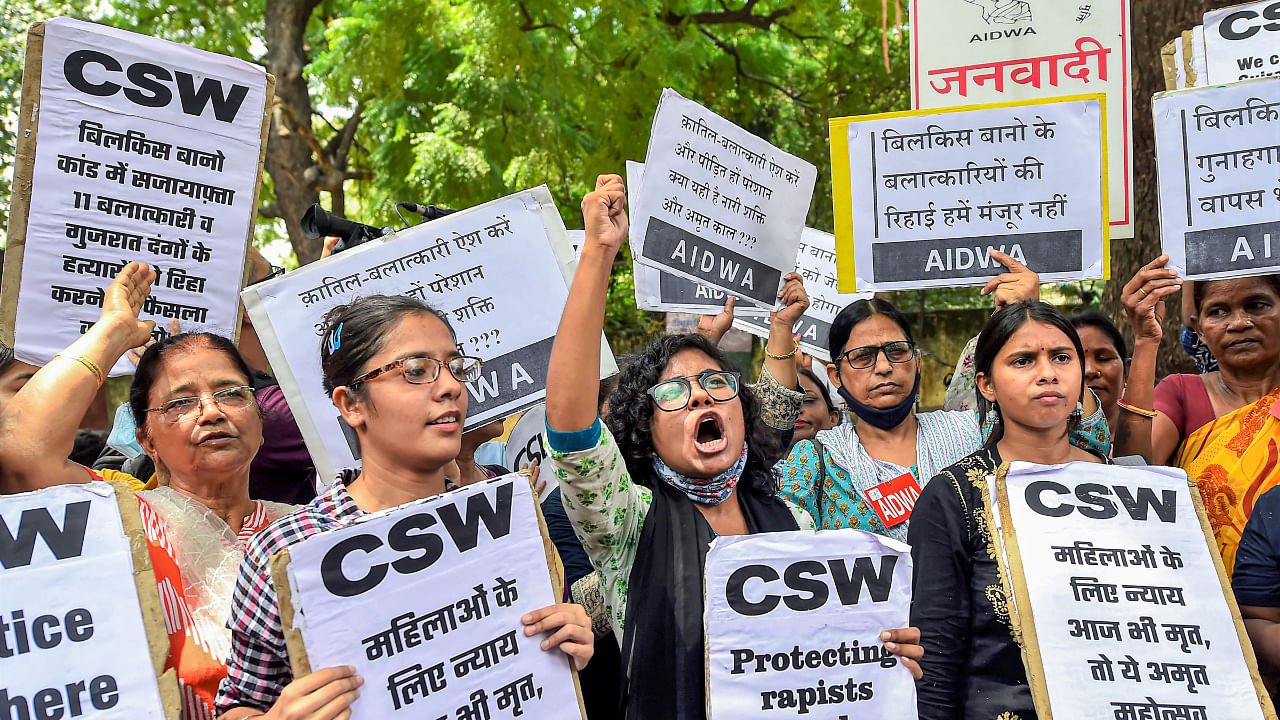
[(1030, 379), (393, 370), (877, 372), (680, 462)]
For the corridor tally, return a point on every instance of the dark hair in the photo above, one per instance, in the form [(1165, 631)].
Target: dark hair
[(854, 313), (609, 384), (6, 357), (355, 332), (152, 360), (1197, 294), (1095, 319), (631, 412), (822, 387), (997, 332)]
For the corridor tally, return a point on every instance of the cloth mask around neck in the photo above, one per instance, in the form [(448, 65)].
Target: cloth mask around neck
[(708, 491), (882, 418)]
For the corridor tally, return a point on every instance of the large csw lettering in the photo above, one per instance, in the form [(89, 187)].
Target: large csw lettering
[(812, 590), (65, 542), (150, 85), (1244, 24), (1094, 501)]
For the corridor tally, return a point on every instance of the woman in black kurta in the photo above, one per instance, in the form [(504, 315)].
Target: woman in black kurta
[(1029, 374)]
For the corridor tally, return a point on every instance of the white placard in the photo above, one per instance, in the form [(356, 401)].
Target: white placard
[(526, 444), (1218, 161), (816, 262), (73, 639), (793, 623), (932, 194), (1242, 41), (425, 601), (500, 272), (147, 150), (964, 53), (1129, 611), (719, 205)]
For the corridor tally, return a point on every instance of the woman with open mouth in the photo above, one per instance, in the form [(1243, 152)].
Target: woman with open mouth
[(684, 456)]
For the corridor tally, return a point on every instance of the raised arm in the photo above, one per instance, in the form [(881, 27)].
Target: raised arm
[(1143, 299), (38, 426), (573, 379), (781, 348)]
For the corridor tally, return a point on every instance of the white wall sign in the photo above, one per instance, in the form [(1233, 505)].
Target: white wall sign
[(965, 52), (1243, 41), (717, 204), (499, 271), (1131, 615), (425, 601), (1218, 160), (793, 623), (73, 642), (933, 193), (816, 263), (146, 150)]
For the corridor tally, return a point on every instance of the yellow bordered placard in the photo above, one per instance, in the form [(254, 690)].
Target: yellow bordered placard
[(842, 186)]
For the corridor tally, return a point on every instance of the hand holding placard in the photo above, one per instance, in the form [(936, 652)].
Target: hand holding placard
[(1020, 283)]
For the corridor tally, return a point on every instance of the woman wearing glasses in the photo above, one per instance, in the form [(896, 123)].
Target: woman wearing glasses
[(685, 456), (877, 372), (197, 419), (392, 368)]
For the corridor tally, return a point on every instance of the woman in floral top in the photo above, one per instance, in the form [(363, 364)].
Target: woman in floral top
[(686, 457)]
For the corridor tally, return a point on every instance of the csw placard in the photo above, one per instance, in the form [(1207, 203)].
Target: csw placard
[(922, 197), (983, 51), (816, 263), (1218, 163), (500, 273), (130, 148), (425, 601), (82, 634), (1123, 605), (526, 445), (793, 623), (1242, 41), (717, 204)]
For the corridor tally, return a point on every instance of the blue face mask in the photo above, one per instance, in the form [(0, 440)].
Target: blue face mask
[(882, 418), (124, 436)]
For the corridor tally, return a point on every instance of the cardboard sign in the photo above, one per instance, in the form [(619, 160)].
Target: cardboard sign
[(793, 623), (82, 632), (921, 198), (963, 53), (1242, 41), (1218, 159), (425, 601), (816, 263), (499, 272), (143, 150), (1122, 601), (894, 500), (719, 205), (526, 445)]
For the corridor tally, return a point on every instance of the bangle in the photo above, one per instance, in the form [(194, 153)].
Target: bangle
[(788, 356), (89, 365), (1136, 410)]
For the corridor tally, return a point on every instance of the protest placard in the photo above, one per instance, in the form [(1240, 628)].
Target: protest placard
[(717, 204), (964, 53), (82, 631), (499, 272), (816, 263), (130, 148), (1123, 604), (793, 623), (922, 197), (1218, 158), (425, 601), (1242, 41)]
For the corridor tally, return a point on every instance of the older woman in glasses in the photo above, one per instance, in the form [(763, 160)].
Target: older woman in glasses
[(197, 419), (686, 456), (891, 448)]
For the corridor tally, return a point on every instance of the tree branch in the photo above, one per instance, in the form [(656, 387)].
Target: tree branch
[(741, 16), (737, 60)]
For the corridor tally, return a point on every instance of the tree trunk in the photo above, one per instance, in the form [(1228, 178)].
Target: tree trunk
[(1154, 23)]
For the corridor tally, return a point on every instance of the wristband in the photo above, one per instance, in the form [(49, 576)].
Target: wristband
[(1136, 410), (788, 356), (89, 365)]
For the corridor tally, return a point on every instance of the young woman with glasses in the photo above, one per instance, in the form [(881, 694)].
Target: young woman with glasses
[(877, 373), (684, 455), (393, 370)]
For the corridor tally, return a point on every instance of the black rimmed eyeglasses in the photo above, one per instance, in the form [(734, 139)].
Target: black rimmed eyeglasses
[(861, 358), (675, 394)]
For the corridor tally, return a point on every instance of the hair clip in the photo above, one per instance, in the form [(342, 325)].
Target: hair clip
[(335, 339)]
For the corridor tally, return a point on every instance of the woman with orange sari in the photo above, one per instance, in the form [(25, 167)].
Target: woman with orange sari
[(1222, 427)]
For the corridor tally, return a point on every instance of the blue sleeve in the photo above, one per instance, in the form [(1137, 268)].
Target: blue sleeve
[(575, 440), (576, 563), (1256, 579)]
